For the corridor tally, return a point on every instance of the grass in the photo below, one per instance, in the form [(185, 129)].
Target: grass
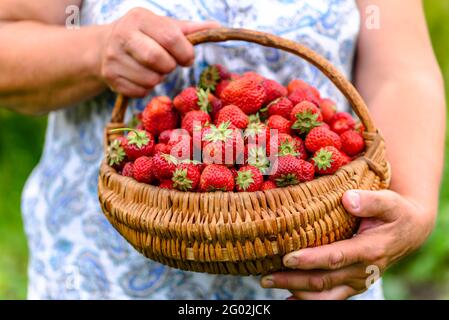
[(422, 275)]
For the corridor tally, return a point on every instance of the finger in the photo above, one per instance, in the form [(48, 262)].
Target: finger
[(149, 53), (136, 73), (381, 204), (331, 256), (128, 88), (337, 293), (316, 280), (188, 27)]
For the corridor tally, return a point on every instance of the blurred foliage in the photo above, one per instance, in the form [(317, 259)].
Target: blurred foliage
[(424, 275)]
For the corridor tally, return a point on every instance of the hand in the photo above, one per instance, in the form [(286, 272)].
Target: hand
[(141, 47), (391, 227)]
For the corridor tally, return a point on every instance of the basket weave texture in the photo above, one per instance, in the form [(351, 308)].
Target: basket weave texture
[(244, 233)]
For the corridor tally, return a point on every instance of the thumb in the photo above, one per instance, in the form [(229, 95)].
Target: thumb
[(382, 204), (189, 27)]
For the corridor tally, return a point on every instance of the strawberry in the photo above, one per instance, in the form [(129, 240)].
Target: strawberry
[(306, 171), (115, 154), (128, 170), (328, 109), (352, 142), (255, 155), (257, 133), (254, 76), (159, 115), (273, 90), (286, 171), (320, 137), (246, 93), (212, 75), (281, 107), (195, 118), (249, 179), (222, 144), (166, 184), (190, 99), (305, 116), (280, 124), (327, 160), (267, 185), (234, 115), (164, 136), (283, 145), (163, 166), (341, 122), (306, 94), (199, 165), (234, 172), (297, 84), (186, 177), (215, 105), (300, 148), (359, 127), (181, 145), (160, 148), (345, 159), (220, 87), (143, 169), (138, 143), (216, 177)]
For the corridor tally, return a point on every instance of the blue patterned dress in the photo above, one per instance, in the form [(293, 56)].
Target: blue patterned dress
[(74, 251)]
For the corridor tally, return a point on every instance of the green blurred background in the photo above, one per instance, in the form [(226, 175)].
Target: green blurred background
[(424, 275)]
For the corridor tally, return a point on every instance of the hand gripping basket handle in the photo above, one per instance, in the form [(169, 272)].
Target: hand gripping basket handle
[(269, 40)]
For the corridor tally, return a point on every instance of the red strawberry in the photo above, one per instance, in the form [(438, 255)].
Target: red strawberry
[(267, 185), (257, 133), (199, 165), (286, 171), (352, 142), (327, 160), (280, 124), (220, 87), (307, 171), (138, 143), (283, 145), (181, 146), (234, 76), (234, 115), (186, 177), (328, 109), (234, 172), (216, 177), (341, 122), (281, 107), (345, 159), (128, 170), (166, 184), (160, 148), (143, 169), (254, 76), (256, 156), (297, 84), (245, 93), (300, 148), (273, 90), (359, 127), (305, 116), (190, 99), (164, 136), (159, 115), (163, 166), (115, 154), (320, 137), (212, 75), (222, 145), (301, 95), (215, 105), (249, 179), (195, 118)]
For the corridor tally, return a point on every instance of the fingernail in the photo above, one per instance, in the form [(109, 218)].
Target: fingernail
[(291, 262), (354, 200), (267, 282)]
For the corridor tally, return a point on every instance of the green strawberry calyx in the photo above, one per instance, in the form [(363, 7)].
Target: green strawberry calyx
[(288, 179), (323, 159), (181, 181), (288, 148), (203, 100), (306, 121), (222, 132), (169, 158), (257, 158), (115, 153), (244, 179), (253, 129), (209, 78), (135, 136)]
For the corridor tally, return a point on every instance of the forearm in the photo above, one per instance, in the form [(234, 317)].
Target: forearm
[(47, 67)]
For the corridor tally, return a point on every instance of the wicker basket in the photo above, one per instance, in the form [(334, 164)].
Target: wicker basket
[(242, 233)]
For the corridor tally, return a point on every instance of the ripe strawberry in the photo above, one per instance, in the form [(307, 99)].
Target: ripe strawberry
[(307, 171), (300, 148), (160, 148), (115, 154), (216, 177), (257, 133), (190, 99), (297, 84), (143, 169), (267, 185), (181, 146), (254, 76), (163, 166), (234, 115), (286, 171), (212, 75), (320, 137), (327, 160), (283, 145), (128, 170), (245, 93), (222, 145), (249, 179), (138, 143), (234, 172), (220, 87), (199, 165), (345, 159), (328, 109), (215, 105), (166, 184), (186, 177), (159, 115), (273, 90), (164, 136), (256, 156), (306, 94), (281, 107), (341, 122), (280, 124), (305, 116), (352, 142), (195, 118)]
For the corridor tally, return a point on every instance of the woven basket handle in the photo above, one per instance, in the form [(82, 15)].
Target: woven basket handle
[(269, 40)]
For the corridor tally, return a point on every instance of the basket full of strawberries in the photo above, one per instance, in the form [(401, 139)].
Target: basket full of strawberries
[(230, 175)]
